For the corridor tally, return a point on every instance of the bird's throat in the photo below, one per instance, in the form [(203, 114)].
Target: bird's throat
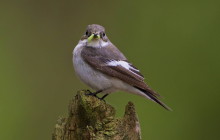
[(97, 43)]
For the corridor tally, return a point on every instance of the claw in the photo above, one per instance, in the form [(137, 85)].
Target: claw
[(101, 99), (90, 93), (95, 94)]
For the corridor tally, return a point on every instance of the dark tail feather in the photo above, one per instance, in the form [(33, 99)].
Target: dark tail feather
[(155, 99), (151, 94)]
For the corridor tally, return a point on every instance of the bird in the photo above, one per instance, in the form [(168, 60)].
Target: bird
[(104, 68)]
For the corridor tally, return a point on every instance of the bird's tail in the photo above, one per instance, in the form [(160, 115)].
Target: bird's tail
[(154, 97)]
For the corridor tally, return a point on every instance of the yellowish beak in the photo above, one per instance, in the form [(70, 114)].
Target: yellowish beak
[(92, 36)]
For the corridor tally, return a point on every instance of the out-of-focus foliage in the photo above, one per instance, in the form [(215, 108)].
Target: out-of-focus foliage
[(175, 44)]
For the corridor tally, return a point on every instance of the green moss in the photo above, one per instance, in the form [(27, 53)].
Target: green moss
[(91, 118)]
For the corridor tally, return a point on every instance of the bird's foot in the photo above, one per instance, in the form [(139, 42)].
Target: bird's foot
[(88, 92), (102, 98), (95, 94)]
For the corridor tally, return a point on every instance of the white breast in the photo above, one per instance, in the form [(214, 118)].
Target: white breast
[(95, 79), (88, 75)]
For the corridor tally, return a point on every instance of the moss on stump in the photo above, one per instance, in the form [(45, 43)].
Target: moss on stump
[(92, 119)]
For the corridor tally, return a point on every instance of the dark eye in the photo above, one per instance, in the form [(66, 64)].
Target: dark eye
[(103, 34), (87, 33)]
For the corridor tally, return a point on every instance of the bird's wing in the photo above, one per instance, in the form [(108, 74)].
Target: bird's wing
[(115, 65)]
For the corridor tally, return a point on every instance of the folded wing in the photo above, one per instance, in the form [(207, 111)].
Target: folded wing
[(119, 68)]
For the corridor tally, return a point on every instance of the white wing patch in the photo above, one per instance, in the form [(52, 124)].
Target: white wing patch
[(119, 63), (125, 65)]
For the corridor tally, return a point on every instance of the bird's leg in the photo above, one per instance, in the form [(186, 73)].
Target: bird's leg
[(93, 93), (88, 91), (102, 98)]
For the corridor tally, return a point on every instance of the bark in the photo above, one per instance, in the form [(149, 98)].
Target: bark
[(93, 119)]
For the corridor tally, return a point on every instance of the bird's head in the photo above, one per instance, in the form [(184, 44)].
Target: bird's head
[(95, 36)]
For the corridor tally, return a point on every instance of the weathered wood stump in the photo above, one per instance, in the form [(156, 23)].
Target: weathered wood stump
[(92, 119)]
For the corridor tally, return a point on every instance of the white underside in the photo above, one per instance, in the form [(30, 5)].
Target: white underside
[(97, 43), (97, 80)]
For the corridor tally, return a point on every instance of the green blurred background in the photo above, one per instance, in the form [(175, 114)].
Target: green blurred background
[(175, 44)]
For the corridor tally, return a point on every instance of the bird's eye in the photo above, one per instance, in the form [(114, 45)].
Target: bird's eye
[(87, 33), (103, 34)]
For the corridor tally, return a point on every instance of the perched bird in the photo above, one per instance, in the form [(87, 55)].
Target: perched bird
[(100, 65)]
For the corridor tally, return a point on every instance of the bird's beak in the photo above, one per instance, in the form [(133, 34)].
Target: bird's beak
[(95, 36)]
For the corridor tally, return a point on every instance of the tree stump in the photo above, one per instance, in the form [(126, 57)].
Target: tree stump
[(93, 119)]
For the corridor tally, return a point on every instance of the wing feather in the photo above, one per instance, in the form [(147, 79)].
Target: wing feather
[(100, 61), (110, 61)]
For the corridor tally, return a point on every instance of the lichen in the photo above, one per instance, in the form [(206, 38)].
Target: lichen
[(93, 119)]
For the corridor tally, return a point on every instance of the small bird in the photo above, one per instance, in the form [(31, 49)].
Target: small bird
[(100, 65)]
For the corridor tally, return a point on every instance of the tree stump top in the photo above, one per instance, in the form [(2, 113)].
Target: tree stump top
[(93, 119)]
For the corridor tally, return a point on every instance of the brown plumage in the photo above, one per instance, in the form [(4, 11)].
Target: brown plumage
[(104, 61), (98, 58)]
